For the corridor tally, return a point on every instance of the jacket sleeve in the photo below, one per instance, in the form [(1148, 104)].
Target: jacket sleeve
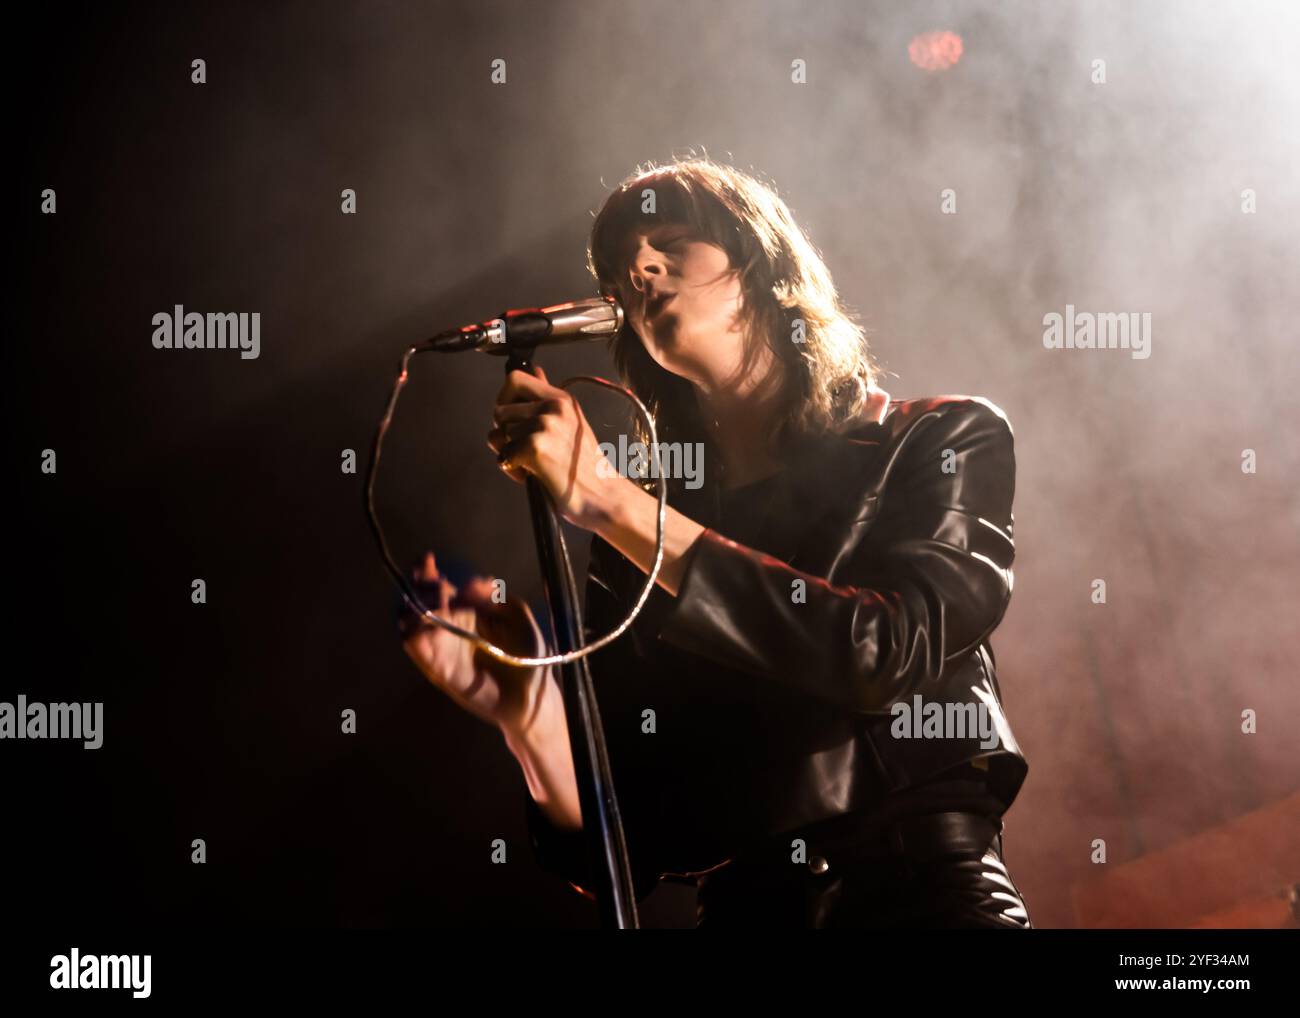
[(558, 851), (929, 581), (562, 851)]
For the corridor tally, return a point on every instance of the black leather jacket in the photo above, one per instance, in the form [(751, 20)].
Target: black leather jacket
[(875, 567)]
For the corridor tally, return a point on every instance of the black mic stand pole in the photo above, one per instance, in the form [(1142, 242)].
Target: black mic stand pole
[(606, 844)]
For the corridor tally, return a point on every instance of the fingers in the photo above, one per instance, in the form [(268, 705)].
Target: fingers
[(510, 430), (507, 413), (520, 387), (513, 436), (517, 458), (426, 575), (511, 626), (434, 591), (442, 596), (509, 454), (443, 657), (478, 591), (513, 422), (516, 444)]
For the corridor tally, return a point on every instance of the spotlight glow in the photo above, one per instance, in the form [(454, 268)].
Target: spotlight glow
[(935, 51)]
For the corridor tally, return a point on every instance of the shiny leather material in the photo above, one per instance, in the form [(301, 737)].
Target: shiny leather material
[(758, 700), (934, 871)]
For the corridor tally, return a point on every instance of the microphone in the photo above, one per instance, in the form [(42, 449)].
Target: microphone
[(595, 318)]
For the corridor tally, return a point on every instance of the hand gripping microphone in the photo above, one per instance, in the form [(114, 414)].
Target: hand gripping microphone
[(521, 331)]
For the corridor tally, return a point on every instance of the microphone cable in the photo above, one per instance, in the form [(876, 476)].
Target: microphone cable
[(407, 589)]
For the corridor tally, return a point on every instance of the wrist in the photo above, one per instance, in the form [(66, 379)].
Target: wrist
[(542, 751), (530, 738), (617, 508)]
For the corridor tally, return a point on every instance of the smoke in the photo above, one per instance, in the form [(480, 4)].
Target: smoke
[(1118, 157)]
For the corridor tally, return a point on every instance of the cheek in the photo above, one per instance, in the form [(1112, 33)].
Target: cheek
[(714, 301)]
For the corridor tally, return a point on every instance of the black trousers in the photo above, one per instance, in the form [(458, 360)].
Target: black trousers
[(940, 870)]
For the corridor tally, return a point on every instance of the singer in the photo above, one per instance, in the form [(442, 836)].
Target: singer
[(847, 553)]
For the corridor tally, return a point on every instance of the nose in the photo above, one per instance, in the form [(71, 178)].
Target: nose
[(647, 264)]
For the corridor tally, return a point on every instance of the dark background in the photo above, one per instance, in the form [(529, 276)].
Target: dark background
[(222, 721)]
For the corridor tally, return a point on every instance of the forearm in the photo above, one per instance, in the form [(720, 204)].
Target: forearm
[(543, 752), (918, 583), (630, 524), (542, 748)]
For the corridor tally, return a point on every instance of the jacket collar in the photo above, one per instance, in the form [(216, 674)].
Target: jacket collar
[(877, 405), (823, 465)]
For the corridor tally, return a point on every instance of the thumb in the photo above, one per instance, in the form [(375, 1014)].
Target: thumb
[(540, 372)]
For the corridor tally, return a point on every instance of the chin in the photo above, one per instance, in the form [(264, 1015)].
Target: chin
[(663, 340)]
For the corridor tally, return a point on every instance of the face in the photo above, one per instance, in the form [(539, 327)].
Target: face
[(682, 297)]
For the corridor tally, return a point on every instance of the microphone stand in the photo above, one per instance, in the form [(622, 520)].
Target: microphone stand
[(601, 823)]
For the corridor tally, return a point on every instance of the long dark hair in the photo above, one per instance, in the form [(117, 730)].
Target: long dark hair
[(788, 299)]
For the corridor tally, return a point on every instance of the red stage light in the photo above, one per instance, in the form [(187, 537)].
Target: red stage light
[(935, 51)]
